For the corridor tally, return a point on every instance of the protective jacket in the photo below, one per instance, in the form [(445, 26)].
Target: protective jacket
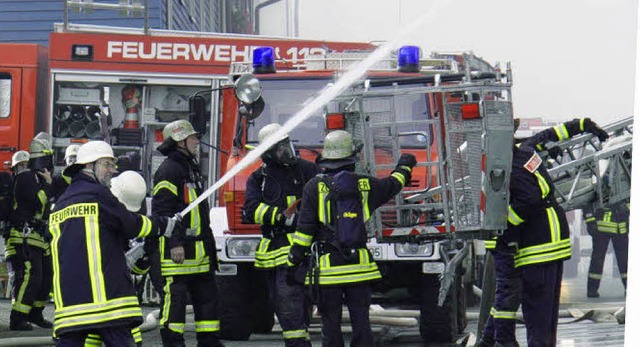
[(177, 183), (535, 220), (92, 287), (30, 211), (270, 191), (59, 185), (341, 266), (609, 221)]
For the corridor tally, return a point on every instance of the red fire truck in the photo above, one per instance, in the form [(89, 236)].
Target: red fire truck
[(452, 112)]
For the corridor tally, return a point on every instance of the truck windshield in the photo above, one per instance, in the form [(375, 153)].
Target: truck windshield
[(283, 98)]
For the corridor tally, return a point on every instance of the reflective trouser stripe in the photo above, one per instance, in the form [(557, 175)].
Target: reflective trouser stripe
[(207, 326), (295, 334), (503, 314), (18, 305)]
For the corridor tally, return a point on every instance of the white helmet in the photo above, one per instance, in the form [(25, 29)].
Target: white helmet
[(19, 157), (70, 154), (269, 130), (130, 189), (94, 150)]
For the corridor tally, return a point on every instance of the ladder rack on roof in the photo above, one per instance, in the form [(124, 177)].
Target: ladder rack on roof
[(126, 7)]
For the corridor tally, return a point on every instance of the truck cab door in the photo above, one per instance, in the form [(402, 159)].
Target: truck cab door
[(10, 110)]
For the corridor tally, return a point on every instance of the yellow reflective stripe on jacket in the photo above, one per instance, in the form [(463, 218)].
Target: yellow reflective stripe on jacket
[(165, 185), (258, 214), (85, 314), (33, 239), (562, 132), (554, 224), (145, 229), (503, 314), (513, 217), (93, 340), (207, 326), (137, 335), (188, 266), (542, 183), (54, 230), (42, 197), (543, 253), (273, 258), (364, 187), (400, 177), (177, 327), (302, 239), (581, 124), (66, 179), (490, 244), (324, 208), (364, 270)]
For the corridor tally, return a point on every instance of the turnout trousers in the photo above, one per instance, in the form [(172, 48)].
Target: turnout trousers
[(291, 307), (33, 280), (541, 301), (119, 336), (204, 297), (501, 324), (357, 297), (600, 244)]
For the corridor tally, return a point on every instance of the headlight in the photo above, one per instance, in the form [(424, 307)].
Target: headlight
[(413, 249), (242, 248)]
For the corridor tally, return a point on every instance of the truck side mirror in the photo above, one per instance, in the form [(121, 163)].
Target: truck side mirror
[(197, 118)]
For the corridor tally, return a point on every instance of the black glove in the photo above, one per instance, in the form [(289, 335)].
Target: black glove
[(554, 152), (296, 255), (282, 220), (593, 128), (407, 159), (592, 227)]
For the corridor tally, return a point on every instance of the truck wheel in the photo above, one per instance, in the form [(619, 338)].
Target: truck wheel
[(262, 309), (437, 323), (234, 292)]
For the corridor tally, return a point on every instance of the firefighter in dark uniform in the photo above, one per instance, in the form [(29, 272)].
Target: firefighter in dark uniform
[(521, 252), (272, 194), (604, 225), (188, 262), (61, 181), (345, 272), (89, 227), (130, 189), (27, 249)]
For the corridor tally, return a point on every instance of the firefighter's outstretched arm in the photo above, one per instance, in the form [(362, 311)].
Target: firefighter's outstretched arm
[(565, 131), (307, 227)]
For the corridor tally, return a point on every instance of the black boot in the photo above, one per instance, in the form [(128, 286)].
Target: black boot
[(35, 317), (18, 321)]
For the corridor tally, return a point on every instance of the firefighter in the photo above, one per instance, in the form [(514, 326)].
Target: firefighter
[(272, 195), (19, 162), (130, 189), (188, 262), (27, 249), (89, 227), (528, 256), (604, 225), (345, 268), (60, 181)]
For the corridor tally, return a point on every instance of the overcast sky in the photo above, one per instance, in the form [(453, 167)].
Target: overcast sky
[(570, 58)]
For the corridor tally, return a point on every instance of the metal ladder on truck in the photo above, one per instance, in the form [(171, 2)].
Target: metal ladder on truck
[(592, 174)]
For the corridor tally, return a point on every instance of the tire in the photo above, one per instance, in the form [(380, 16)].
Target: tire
[(437, 323), (234, 308)]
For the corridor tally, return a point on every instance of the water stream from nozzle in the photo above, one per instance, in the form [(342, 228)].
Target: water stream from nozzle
[(330, 92)]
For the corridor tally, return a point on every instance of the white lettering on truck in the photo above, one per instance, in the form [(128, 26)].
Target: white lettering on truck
[(197, 52)]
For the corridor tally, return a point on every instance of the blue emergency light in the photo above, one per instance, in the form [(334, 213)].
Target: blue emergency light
[(263, 60), (409, 59)]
